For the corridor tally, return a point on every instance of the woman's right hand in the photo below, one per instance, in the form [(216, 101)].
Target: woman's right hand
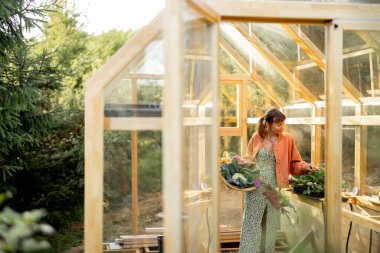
[(310, 167)]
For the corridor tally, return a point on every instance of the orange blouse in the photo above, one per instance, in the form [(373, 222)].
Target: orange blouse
[(288, 159)]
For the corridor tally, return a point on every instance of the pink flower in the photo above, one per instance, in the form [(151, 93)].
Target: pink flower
[(237, 158), (257, 183)]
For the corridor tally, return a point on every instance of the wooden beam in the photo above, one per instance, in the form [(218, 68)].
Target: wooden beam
[(205, 10), (244, 124), (255, 76), (134, 140), (135, 194), (316, 138), (361, 220), (215, 139), (232, 78), (145, 76), (372, 120), (133, 123), (277, 64), (93, 169), (230, 131), (333, 177), (202, 147), (173, 133), (360, 171), (292, 12), (317, 56)]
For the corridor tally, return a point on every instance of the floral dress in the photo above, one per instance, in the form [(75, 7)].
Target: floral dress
[(260, 219)]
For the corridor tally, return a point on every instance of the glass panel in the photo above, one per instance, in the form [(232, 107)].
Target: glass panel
[(302, 139), (229, 104), (257, 101), (117, 185), (230, 213), (270, 52), (137, 91), (361, 61), (373, 162), (360, 142), (348, 152), (227, 66), (253, 61), (118, 197), (198, 111), (149, 168)]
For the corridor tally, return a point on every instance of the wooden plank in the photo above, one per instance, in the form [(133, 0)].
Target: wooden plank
[(230, 131), (205, 10), (145, 76), (133, 123), (255, 76), (317, 56), (367, 24), (292, 12), (127, 53), (173, 126), (202, 147), (276, 64), (244, 124), (371, 120), (215, 143), (237, 78), (197, 121), (134, 140), (316, 138), (361, 220), (360, 171), (93, 190), (333, 177)]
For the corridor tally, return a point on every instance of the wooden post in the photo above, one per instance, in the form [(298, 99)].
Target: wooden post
[(201, 147), (172, 127), (93, 190), (360, 153), (334, 80), (215, 144), (134, 140), (244, 116), (316, 138)]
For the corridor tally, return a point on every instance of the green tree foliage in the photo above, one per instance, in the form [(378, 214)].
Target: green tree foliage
[(16, 18), (55, 177), (26, 81)]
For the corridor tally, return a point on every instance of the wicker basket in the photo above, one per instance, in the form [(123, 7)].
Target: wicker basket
[(248, 189)]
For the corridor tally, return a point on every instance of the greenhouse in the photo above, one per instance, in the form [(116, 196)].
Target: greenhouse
[(194, 83)]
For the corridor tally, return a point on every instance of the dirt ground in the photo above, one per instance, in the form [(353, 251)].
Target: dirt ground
[(118, 222)]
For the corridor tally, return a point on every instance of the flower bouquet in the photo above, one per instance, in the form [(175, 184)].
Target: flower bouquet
[(238, 175)]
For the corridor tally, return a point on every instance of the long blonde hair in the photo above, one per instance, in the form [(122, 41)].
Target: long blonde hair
[(271, 116)]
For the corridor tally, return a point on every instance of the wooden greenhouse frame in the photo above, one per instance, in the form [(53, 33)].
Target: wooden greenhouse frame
[(337, 17)]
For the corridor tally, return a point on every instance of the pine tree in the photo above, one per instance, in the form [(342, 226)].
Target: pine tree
[(26, 81)]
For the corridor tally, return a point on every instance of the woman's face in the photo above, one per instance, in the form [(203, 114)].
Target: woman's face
[(277, 127)]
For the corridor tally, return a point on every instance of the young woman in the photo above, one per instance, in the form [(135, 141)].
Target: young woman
[(276, 156)]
